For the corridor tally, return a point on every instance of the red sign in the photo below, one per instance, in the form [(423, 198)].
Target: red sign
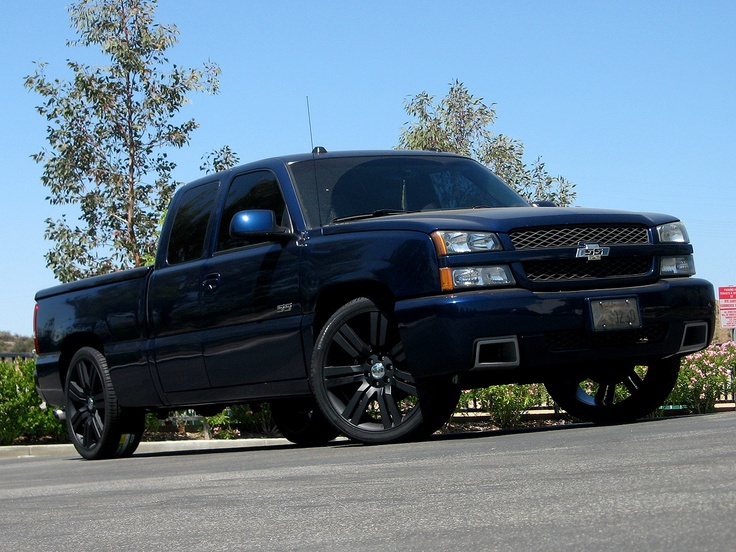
[(728, 292), (727, 304)]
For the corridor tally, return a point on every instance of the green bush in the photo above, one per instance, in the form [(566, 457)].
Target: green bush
[(21, 417), (704, 378), (242, 420), (505, 403)]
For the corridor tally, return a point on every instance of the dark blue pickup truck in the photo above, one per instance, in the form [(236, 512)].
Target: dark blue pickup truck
[(359, 292)]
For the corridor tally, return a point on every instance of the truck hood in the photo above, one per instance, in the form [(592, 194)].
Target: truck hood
[(497, 220)]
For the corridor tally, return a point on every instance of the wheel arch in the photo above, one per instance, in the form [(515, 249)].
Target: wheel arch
[(332, 298), (71, 345)]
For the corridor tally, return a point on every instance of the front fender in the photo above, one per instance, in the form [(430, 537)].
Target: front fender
[(403, 262)]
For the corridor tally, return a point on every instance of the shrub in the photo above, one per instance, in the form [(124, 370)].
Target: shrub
[(239, 420), (222, 425), (22, 417), (704, 378), (505, 403)]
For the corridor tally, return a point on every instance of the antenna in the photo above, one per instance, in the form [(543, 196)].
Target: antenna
[(309, 116), (314, 165)]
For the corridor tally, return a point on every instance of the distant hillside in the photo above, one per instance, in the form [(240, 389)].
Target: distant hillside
[(12, 343)]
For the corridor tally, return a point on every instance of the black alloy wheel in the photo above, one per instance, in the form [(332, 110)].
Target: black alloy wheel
[(613, 395), (98, 427), (363, 385)]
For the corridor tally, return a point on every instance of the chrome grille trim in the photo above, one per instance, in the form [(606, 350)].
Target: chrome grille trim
[(571, 236), (575, 269)]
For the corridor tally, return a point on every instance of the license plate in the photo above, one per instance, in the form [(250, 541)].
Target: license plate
[(615, 314)]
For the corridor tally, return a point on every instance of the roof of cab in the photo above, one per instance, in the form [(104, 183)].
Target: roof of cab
[(316, 154)]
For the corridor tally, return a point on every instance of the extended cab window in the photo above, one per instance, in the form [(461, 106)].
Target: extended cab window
[(189, 230), (256, 190)]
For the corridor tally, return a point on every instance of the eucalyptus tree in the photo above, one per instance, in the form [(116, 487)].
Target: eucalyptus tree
[(461, 123), (219, 160), (110, 128)]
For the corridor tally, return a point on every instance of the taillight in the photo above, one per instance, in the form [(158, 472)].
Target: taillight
[(35, 328)]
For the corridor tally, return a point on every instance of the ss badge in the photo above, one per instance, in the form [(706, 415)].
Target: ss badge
[(591, 251)]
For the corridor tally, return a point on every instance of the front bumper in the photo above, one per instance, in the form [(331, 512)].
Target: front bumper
[(531, 333)]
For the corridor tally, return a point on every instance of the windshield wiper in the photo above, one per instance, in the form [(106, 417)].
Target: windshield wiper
[(376, 213)]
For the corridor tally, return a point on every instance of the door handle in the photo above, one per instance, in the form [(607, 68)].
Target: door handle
[(211, 282)]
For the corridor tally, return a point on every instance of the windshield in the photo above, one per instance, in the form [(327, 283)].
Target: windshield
[(333, 189)]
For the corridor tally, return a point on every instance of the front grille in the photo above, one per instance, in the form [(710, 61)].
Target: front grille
[(564, 267), (571, 236), (579, 269), (572, 340)]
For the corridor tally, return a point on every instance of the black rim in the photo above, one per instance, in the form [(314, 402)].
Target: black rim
[(86, 403), (365, 376), (610, 394), (605, 391)]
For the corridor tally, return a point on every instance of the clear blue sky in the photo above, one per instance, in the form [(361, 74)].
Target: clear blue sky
[(633, 101)]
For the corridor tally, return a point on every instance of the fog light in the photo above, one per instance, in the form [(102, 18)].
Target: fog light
[(677, 266)]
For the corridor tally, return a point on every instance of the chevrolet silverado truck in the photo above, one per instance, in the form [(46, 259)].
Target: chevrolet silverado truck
[(358, 293)]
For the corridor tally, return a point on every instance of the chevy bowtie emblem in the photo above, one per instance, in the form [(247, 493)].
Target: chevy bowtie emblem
[(591, 251)]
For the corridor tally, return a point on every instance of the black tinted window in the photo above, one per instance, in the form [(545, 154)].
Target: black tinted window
[(189, 230), (256, 190)]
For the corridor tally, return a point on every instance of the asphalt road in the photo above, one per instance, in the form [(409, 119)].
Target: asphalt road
[(660, 485)]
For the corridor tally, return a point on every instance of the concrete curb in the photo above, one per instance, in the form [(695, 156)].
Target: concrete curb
[(147, 447)]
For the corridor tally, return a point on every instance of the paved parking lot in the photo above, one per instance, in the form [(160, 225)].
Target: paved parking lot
[(662, 485)]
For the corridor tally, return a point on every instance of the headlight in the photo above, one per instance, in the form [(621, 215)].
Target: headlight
[(673, 232), (475, 276), (682, 265), (452, 242)]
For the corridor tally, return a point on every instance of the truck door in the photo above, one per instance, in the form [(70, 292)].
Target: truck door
[(250, 304), (175, 291)]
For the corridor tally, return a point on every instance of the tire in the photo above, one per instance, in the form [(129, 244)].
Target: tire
[(302, 423), (614, 395), (362, 384), (98, 427)]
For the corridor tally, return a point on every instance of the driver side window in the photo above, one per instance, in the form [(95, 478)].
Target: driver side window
[(256, 190)]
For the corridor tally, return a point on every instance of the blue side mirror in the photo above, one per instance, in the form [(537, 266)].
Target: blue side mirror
[(257, 223)]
